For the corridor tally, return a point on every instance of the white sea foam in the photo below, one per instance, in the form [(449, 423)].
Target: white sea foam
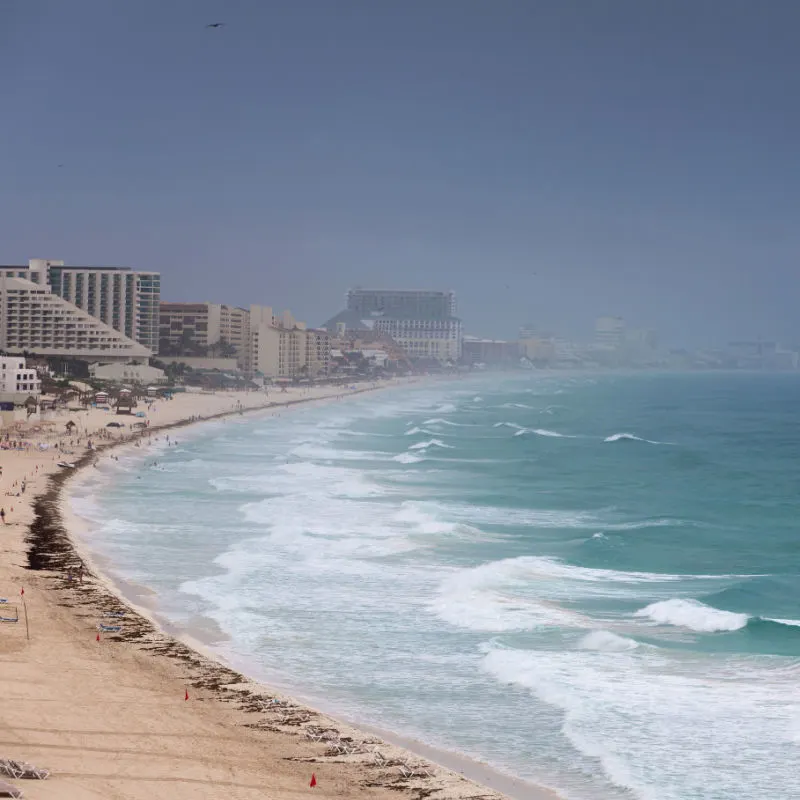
[(499, 516), (544, 432), (445, 408), (509, 425), (516, 405), (440, 421), (529, 592), (622, 437), (478, 601), (694, 615), (430, 443), (652, 721), (607, 642), (408, 458), (316, 452), (792, 623)]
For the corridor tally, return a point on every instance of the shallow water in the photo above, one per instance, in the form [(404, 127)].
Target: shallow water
[(587, 581)]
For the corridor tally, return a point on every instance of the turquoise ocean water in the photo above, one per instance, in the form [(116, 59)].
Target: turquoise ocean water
[(591, 582)]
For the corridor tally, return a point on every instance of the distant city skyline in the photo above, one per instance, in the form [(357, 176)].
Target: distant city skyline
[(547, 161)]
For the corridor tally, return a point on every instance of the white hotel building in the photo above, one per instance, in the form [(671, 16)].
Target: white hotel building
[(34, 320), (16, 378), (440, 339)]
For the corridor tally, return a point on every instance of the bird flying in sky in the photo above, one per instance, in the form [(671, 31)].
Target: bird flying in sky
[(216, 25)]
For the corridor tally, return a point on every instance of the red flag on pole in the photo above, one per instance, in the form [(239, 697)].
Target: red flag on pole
[(186, 696), (313, 782), (22, 592), (98, 637)]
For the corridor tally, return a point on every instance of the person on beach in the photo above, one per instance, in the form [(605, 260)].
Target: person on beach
[(3, 515)]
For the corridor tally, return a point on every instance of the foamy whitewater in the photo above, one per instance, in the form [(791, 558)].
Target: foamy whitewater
[(588, 582)]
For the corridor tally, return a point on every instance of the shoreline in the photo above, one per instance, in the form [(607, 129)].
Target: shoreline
[(381, 760)]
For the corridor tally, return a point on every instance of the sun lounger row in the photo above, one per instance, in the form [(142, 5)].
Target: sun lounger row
[(21, 770)]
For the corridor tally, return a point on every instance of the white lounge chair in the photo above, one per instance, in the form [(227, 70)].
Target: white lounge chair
[(22, 770), (9, 790)]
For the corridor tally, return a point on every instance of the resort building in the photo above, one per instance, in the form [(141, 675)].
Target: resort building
[(489, 351), (16, 378), (318, 353), (35, 320), (423, 323), (124, 299), (401, 303), (282, 347), (437, 338), (609, 332), (200, 326)]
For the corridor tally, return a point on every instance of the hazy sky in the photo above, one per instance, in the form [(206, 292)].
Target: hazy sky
[(550, 161)]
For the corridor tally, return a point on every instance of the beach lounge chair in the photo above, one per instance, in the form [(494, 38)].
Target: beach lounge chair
[(109, 628), (5, 614), (378, 758), (9, 790), (409, 770), (21, 770)]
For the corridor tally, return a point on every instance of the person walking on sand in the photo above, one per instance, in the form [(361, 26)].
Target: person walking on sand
[(3, 515)]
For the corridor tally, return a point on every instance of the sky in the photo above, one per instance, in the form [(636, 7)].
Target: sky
[(549, 161)]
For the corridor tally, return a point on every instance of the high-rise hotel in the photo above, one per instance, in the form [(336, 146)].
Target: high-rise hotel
[(423, 323), (124, 299)]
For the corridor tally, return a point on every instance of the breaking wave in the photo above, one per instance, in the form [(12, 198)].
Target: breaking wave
[(431, 443), (694, 615), (544, 432), (607, 642), (629, 437), (408, 458)]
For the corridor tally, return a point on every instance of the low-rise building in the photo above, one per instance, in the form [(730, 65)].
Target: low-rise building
[(127, 373), (17, 378), (489, 351)]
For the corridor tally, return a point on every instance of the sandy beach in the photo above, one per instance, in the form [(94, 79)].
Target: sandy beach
[(137, 713)]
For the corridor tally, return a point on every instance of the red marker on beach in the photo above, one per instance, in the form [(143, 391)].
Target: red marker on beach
[(186, 696), (313, 782), (22, 591), (98, 637)]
